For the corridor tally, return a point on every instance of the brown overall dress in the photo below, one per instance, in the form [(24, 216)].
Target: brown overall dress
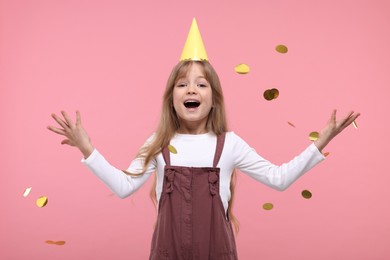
[(191, 222)]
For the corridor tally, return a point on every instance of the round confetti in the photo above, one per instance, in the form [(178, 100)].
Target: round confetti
[(242, 68), (313, 136), (26, 192), (306, 194), (281, 48), (268, 206), (274, 93), (271, 94), (42, 201), (172, 149), (326, 154), (267, 95)]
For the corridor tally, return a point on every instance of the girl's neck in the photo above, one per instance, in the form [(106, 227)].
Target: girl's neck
[(192, 130)]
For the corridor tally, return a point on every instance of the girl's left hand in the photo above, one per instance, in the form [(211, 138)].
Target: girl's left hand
[(333, 128)]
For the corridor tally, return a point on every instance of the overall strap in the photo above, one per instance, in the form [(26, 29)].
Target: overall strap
[(219, 148), (166, 156)]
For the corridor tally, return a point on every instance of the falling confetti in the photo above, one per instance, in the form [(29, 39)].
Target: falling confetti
[(306, 194), (281, 48), (313, 136), (354, 124), (291, 124), (242, 68), (42, 201), (268, 206), (271, 94), (26, 192), (58, 243), (172, 149), (326, 154)]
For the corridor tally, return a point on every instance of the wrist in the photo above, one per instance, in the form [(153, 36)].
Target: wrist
[(86, 150)]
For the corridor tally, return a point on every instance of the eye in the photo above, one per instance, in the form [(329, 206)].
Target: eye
[(181, 85), (202, 85)]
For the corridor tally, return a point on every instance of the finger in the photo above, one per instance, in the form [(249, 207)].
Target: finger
[(56, 130), (333, 116), (66, 141), (78, 118), (67, 119), (352, 118), (60, 121), (348, 119)]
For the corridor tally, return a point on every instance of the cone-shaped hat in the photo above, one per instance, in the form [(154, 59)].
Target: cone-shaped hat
[(194, 48)]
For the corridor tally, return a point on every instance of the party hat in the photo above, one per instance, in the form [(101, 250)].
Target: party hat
[(194, 48)]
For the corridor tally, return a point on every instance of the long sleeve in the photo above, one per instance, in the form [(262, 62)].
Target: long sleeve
[(120, 183), (280, 177)]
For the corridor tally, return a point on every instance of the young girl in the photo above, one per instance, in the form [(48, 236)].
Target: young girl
[(194, 175)]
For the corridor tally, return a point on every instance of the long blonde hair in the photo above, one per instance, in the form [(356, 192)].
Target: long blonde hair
[(169, 122)]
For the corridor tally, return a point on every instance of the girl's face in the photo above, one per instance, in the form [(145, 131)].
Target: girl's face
[(192, 100)]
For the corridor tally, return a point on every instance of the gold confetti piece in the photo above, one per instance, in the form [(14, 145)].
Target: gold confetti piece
[(172, 149), (291, 124), (42, 201), (354, 124), (271, 94), (326, 154), (274, 93), (26, 192), (306, 194), (268, 206), (313, 136), (267, 95), (281, 48), (58, 243), (242, 68)]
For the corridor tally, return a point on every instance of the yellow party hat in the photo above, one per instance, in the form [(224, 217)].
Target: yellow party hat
[(194, 48)]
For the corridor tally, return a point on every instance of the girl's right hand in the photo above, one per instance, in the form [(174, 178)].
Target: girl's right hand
[(74, 132)]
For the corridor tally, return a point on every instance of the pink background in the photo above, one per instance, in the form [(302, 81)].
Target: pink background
[(111, 59)]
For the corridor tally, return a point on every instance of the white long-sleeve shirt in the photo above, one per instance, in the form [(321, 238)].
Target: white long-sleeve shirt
[(198, 151)]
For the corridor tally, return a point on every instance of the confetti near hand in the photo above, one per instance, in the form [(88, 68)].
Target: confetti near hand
[(313, 136), (42, 201), (27, 192), (58, 243), (291, 124), (354, 124), (306, 194), (281, 48), (172, 149), (268, 206), (242, 68), (271, 94)]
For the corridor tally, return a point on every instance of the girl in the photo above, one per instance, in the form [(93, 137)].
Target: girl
[(193, 186)]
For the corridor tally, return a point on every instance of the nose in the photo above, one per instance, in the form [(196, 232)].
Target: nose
[(191, 90)]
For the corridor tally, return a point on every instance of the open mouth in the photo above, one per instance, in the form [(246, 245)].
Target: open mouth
[(191, 104)]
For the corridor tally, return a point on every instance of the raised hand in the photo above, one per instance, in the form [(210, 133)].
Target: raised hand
[(74, 132), (333, 128)]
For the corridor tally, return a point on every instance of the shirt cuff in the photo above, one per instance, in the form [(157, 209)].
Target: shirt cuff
[(317, 152), (90, 158)]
